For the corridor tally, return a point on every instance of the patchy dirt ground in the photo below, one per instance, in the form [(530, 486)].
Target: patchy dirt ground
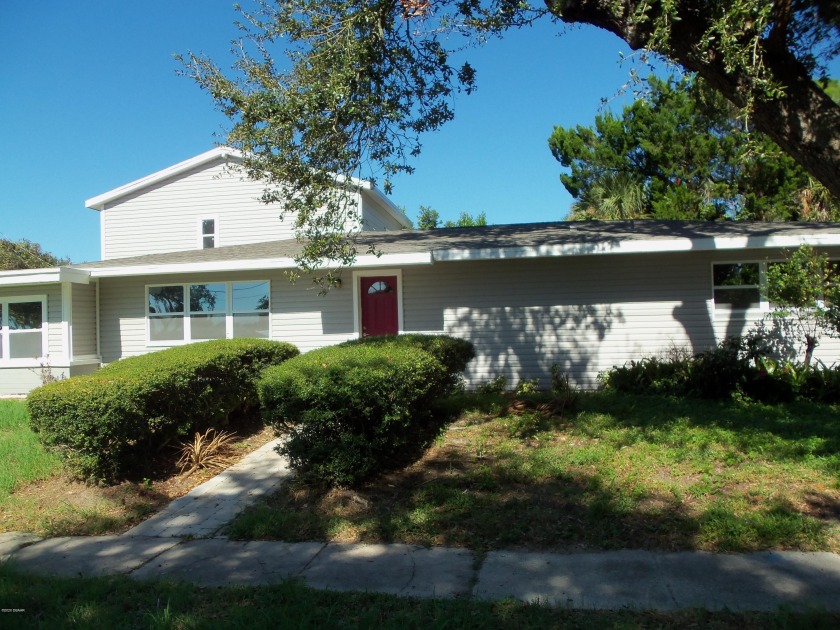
[(60, 506)]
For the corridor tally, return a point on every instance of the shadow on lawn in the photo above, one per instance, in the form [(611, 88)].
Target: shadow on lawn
[(478, 506), (518, 496), (791, 432)]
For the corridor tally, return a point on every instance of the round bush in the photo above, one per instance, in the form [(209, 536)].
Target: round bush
[(110, 423), (355, 410)]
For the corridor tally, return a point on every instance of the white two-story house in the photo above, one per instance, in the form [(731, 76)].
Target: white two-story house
[(191, 253)]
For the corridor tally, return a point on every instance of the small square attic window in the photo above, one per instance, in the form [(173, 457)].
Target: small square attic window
[(208, 233)]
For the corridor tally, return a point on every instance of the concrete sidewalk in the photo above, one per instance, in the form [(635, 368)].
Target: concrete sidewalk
[(182, 543), (640, 580)]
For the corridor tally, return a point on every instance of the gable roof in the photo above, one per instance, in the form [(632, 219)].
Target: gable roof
[(533, 240), (231, 155)]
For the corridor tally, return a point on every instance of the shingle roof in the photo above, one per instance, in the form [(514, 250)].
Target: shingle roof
[(586, 236)]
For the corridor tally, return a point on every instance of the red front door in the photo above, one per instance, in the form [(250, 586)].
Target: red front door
[(379, 306)]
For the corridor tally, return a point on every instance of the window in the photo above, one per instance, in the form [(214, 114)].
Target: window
[(208, 311), (219, 310), (250, 309), (379, 287), (208, 233), (22, 328), (166, 313), (737, 286)]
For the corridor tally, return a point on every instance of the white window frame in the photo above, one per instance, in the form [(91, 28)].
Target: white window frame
[(201, 233), (763, 305), (186, 314), (357, 297), (5, 333)]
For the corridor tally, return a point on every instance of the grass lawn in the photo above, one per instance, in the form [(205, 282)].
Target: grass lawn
[(119, 602), (35, 495), (619, 472), (22, 459)]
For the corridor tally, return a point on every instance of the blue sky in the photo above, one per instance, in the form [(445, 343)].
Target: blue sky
[(90, 100)]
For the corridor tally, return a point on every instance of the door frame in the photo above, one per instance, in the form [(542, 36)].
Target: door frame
[(357, 298)]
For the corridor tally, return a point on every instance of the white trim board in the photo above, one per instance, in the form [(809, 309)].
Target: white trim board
[(371, 261), (50, 275), (640, 246)]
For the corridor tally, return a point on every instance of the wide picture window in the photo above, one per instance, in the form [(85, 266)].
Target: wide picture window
[(213, 310), (22, 331)]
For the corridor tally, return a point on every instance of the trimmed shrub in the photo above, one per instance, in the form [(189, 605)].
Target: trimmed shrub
[(650, 375), (358, 409), (734, 366), (453, 353), (719, 372), (110, 423)]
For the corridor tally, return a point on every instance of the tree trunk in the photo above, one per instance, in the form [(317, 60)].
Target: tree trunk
[(810, 345), (805, 122)]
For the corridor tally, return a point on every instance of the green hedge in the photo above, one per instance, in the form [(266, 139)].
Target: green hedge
[(111, 422), (452, 352), (354, 410), (726, 370)]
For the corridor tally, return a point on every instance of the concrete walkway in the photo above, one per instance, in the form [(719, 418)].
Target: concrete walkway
[(208, 507), (182, 543)]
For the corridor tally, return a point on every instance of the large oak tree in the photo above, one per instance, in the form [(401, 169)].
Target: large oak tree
[(326, 90)]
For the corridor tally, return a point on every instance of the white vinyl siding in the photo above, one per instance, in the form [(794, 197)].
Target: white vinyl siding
[(84, 320), (20, 381), (163, 218), (376, 217), (167, 217), (585, 313)]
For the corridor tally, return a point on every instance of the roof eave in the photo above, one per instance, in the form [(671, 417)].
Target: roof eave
[(636, 246), (258, 264), (100, 201), (49, 275)]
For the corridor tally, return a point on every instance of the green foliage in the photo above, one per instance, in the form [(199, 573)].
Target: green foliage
[(528, 386), (324, 91), (110, 423), (453, 353), (465, 219), (804, 289), (352, 411), (119, 601), (714, 374), (429, 219), (832, 88), (678, 153), (25, 254), (736, 368), (611, 196), (565, 395), (496, 386)]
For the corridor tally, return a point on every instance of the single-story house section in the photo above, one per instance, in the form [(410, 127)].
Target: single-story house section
[(190, 253)]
